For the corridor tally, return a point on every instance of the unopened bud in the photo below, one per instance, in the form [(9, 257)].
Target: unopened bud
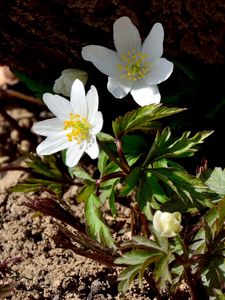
[(64, 83), (167, 224)]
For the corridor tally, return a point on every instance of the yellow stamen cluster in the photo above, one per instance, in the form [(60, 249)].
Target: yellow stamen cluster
[(135, 65), (80, 128)]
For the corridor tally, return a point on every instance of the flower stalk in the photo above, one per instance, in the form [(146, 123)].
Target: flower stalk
[(123, 162)]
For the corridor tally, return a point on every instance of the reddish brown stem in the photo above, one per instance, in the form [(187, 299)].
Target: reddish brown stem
[(123, 161), (17, 95)]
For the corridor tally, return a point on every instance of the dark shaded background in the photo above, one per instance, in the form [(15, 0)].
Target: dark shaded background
[(42, 37)]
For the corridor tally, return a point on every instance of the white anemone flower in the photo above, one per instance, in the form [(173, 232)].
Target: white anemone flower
[(136, 68), (75, 126), (167, 224)]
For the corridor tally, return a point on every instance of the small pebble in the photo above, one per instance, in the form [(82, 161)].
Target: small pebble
[(14, 135), (24, 123), (24, 146)]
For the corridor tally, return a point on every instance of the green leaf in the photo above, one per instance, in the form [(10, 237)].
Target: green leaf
[(214, 220), (161, 272), (105, 137), (107, 191), (25, 188), (46, 166), (135, 257), (142, 119), (126, 277), (133, 147), (216, 181), (96, 227), (141, 242), (219, 294), (111, 167), (130, 182), (210, 246), (108, 146), (107, 188), (157, 190), (81, 174), (45, 174), (138, 261), (215, 272), (112, 201), (102, 161), (149, 190), (144, 193), (132, 158), (34, 185), (165, 146), (221, 215), (85, 191), (134, 144), (188, 188), (38, 88)]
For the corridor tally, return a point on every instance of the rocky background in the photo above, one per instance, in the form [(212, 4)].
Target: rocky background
[(41, 38)]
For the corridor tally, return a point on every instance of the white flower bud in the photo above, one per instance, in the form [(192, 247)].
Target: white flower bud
[(64, 83), (167, 224)]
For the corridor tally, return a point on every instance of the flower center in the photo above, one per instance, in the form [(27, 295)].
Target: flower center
[(80, 128), (135, 65)]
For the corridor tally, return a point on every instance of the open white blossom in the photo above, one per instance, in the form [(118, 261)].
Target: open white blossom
[(64, 83), (75, 126), (136, 68), (167, 224)]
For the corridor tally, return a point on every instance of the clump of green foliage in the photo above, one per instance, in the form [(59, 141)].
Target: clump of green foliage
[(139, 164)]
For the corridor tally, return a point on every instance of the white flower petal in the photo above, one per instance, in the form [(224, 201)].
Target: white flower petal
[(92, 102), (53, 144), (93, 150), (146, 95), (157, 221), (78, 98), (117, 89), (153, 44), (74, 153), (126, 36), (58, 105), (48, 127), (160, 70), (104, 59), (97, 123)]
